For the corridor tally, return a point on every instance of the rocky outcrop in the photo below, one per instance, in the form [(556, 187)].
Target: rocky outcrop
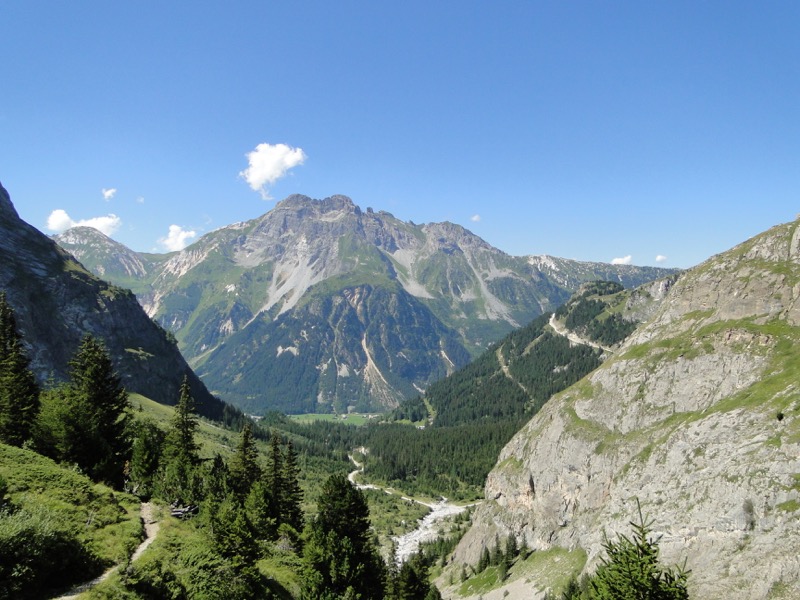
[(696, 416), (56, 301)]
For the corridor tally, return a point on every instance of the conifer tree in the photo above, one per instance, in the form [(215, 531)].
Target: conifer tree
[(631, 570), (179, 480), (19, 393), (340, 557), (180, 443), (244, 467), (413, 581), (292, 513), (274, 478), (85, 421), (483, 561), (148, 441)]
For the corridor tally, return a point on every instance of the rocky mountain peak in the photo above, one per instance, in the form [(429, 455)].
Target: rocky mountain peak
[(7, 210), (100, 254), (330, 204)]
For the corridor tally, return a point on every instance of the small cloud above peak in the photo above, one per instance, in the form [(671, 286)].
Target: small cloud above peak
[(475, 218), (108, 193), (660, 258), (624, 260), (268, 163), (177, 238), (60, 221)]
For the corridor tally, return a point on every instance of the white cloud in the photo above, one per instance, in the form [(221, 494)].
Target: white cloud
[(660, 258), (59, 221), (625, 260), (177, 238), (108, 194), (268, 163), (140, 200), (475, 218)]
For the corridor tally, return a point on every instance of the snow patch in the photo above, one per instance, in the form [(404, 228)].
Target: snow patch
[(343, 371), (291, 349), (230, 288)]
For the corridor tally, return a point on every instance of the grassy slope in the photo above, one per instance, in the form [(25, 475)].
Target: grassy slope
[(55, 498)]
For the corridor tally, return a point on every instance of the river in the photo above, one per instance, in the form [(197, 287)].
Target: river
[(427, 530)]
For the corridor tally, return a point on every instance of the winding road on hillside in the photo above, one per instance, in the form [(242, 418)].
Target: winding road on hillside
[(151, 526), (427, 530), (572, 336)]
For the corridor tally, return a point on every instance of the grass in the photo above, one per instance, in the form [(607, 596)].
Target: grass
[(789, 506), (63, 528), (546, 569), (350, 419), (105, 521)]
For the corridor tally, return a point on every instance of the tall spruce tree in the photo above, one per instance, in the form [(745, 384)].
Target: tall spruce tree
[(274, 478), (340, 557), (413, 581), (19, 393), (292, 513), (180, 441), (85, 421), (178, 478), (244, 469)]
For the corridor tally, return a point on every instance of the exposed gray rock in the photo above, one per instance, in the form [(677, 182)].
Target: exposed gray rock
[(56, 301), (697, 416)]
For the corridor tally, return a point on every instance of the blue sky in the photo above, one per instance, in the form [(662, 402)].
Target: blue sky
[(589, 130)]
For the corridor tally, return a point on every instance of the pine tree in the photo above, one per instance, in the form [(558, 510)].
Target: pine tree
[(274, 478), (340, 557), (180, 442), (19, 393), (93, 377), (483, 561), (413, 580), (244, 469), (85, 421), (148, 441), (179, 480), (631, 570), (292, 513)]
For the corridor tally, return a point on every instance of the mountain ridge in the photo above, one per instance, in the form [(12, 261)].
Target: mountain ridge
[(247, 280), (696, 417), (57, 301)]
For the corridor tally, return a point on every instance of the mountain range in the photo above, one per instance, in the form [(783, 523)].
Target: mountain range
[(318, 306)]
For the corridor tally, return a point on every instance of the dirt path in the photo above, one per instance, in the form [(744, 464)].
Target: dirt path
[(507, 372), (151, 526), (574, 337)]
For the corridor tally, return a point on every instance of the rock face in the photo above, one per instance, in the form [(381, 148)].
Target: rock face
[(56, 301), (318, 305), (697, 416)]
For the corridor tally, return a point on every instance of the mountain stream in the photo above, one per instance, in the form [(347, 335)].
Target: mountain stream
[(427, 530)]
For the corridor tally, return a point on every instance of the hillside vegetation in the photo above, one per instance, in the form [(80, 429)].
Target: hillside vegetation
[(470, 415)]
